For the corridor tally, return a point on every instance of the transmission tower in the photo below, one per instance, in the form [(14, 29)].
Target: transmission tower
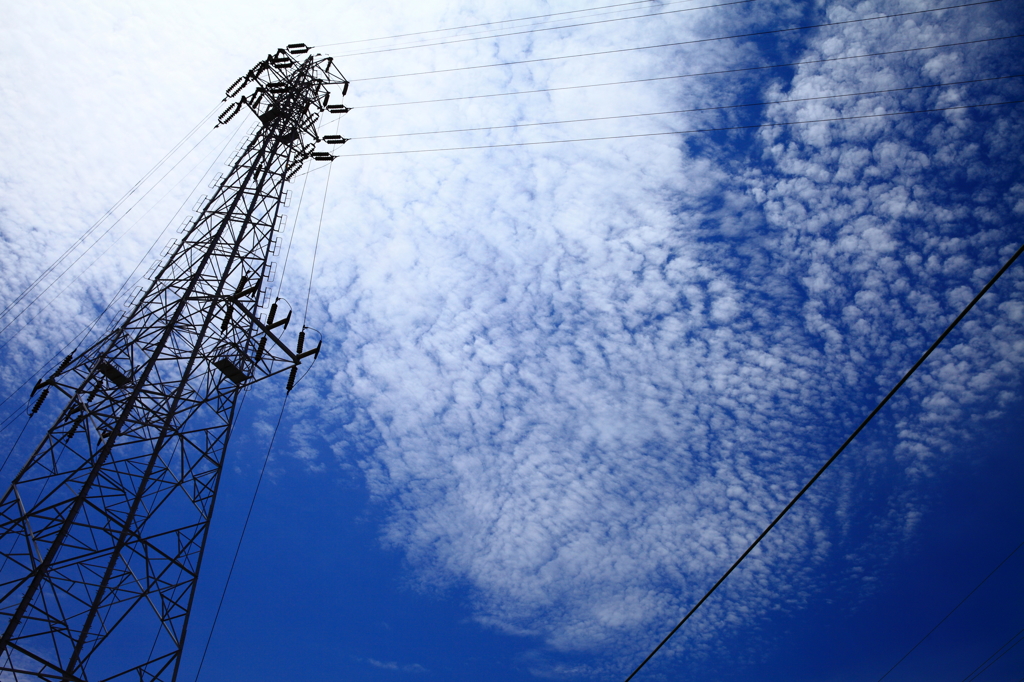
[(103, 530)]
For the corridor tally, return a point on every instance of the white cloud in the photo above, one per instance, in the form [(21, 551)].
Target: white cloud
[(397, 667)]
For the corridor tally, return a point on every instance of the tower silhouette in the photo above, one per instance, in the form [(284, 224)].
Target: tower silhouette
[(102, 531)]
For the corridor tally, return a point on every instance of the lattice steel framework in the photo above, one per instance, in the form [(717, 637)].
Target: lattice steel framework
[(102, 531)]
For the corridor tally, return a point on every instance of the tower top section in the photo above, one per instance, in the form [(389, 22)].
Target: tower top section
[(288, 91)]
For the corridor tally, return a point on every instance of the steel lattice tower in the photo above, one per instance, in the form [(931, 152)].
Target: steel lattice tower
[(102, 531)]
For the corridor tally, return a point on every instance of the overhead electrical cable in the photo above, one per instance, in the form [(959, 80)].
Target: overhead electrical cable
[(696, 74), (685, 132), (489, 33), (115, 296), (110, 211), (952, 611), (694, 41), (316, 247), (241, 536), (996, 655), (688, 111), (188, 200), (548, 28), (835, 455), (291, 235), (103, 253), (96, 241), (491, 23), (13, 445), (630, 49)]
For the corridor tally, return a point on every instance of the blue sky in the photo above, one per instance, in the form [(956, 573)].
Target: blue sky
[(564, 385)]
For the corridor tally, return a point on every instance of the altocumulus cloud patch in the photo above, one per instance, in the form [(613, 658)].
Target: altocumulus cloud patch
[(591, 377)]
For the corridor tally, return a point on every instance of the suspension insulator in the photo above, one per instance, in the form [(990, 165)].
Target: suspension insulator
[(260, 350), (291, 378), (294, 168), (74, 427), (39, 401), (272, 315), (229, 113), (236, 87), (302, 342), (64, 364), (344, 90)]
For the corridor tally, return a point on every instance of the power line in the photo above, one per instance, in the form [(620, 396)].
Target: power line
[(688, 111), (951, 611), (489, 33), (82, 255), (683, 132), (490, 23), (990, 661), (291, 235), (701, 40), (720, 72), (316, 248), (828, 463), (92, 229), (556, 28), (110, 211), (114, 297), (680, 43), (13, 446), (241, 536)]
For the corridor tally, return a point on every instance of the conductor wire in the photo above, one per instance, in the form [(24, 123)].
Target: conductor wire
[(552, 28), (751, 126), (109, 212), (835, 455), (491, 23), (95, 260), (990, 661), (114, 297), (686, 42), (316, 245), (241, 537), (690, 111), (291, 235), (951, 611), (488, 33), (105, 232), (13, 446), (721, 72)]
